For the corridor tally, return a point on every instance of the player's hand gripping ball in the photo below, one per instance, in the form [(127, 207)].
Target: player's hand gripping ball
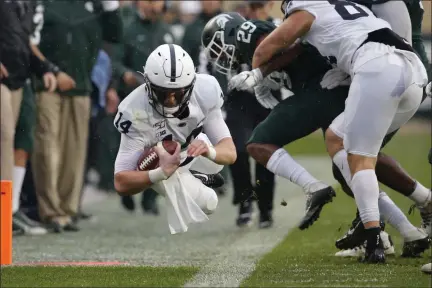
[(149, 159)]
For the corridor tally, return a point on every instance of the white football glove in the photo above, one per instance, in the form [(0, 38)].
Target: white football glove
[(264, 96), (429, 89), (245, 80), (334, 78)]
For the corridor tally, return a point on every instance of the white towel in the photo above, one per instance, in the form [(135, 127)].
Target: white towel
[(181, 208), (182, 188)]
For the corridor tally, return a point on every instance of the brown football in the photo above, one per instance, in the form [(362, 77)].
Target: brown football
[(149, 159)]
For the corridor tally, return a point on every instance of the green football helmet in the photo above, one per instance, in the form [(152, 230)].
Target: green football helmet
[(218, 39)]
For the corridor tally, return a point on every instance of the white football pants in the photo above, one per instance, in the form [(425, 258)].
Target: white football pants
[(385, 92)]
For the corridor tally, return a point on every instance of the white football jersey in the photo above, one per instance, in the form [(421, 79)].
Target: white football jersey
[(340, 27), (137, 119)]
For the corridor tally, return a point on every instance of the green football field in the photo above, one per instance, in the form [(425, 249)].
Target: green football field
[(138, 251)]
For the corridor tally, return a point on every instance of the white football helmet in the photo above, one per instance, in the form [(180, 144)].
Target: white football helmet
[(169, 74)]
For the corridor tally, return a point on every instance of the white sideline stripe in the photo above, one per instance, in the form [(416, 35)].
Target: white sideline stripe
[(237, 262)]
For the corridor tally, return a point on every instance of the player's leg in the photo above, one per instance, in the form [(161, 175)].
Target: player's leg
[(44, 158), (363, 144), (416, 240), (205, 197), (7, 134), (73, 140), (427, 268), (415, 9), (264, 187), (293, 119), (264, 180), (240, 123), (23, 144)]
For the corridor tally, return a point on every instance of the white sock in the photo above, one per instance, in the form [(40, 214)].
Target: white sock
[(282, 164), (421, 194), (340, 159), (396, 218), (364, 185), (18, 179)]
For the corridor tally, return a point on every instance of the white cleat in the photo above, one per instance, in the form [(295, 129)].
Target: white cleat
[(427, 268), (360, 250), (355, 252)]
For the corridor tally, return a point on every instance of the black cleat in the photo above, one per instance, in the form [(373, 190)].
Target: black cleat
[(266, 220), (149, 203), (245, 214), (374, 253), (128, 203), (413, 249), (210, 180), (81, 216), (17, 230), (54, 226), (355, 236), (71, 227), (314, 205)]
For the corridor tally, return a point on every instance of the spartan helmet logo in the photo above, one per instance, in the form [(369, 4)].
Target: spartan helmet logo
[(222, 19)]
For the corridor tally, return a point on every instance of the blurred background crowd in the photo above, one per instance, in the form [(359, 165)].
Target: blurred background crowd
[(60, 99)]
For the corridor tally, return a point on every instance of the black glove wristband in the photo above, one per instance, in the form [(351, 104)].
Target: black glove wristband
[(51, 67), (40, 67)]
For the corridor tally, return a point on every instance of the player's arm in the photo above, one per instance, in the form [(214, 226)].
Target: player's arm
[(219, 135), (129, 181), (282, 59), (294, 27), (223, 151)]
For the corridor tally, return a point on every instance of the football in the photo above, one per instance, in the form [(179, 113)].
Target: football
[(149, 159)]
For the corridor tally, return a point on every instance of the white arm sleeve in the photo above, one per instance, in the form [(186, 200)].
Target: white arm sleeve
[(215, 127), (129, 152)]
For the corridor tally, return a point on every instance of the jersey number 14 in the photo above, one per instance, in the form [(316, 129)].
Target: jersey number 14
[(348, 10), (123, 125)]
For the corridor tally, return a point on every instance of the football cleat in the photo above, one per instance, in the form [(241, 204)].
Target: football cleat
[(413, 248), (24, 225), (427, 268), (128, 203), (426, 215), (210, 180), (360, 250), (374, 250), (245, 214), (266, 220), (355, 236), (314, 203)]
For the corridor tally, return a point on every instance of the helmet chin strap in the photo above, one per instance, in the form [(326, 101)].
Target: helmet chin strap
[(168, 111)]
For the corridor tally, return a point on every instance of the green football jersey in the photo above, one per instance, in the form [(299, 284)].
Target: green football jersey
[(308, 66)]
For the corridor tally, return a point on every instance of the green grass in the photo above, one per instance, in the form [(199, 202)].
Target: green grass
[(305, 258), (96, 276)]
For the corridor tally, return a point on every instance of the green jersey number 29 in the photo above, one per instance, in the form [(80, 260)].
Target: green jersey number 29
[(245, 32)]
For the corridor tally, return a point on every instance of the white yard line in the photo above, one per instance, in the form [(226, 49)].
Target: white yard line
[(237, 261)]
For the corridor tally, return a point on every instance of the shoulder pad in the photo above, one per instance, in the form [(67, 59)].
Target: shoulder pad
[(208, 92)]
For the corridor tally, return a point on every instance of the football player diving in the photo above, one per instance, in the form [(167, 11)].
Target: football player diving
[(174, 104)]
